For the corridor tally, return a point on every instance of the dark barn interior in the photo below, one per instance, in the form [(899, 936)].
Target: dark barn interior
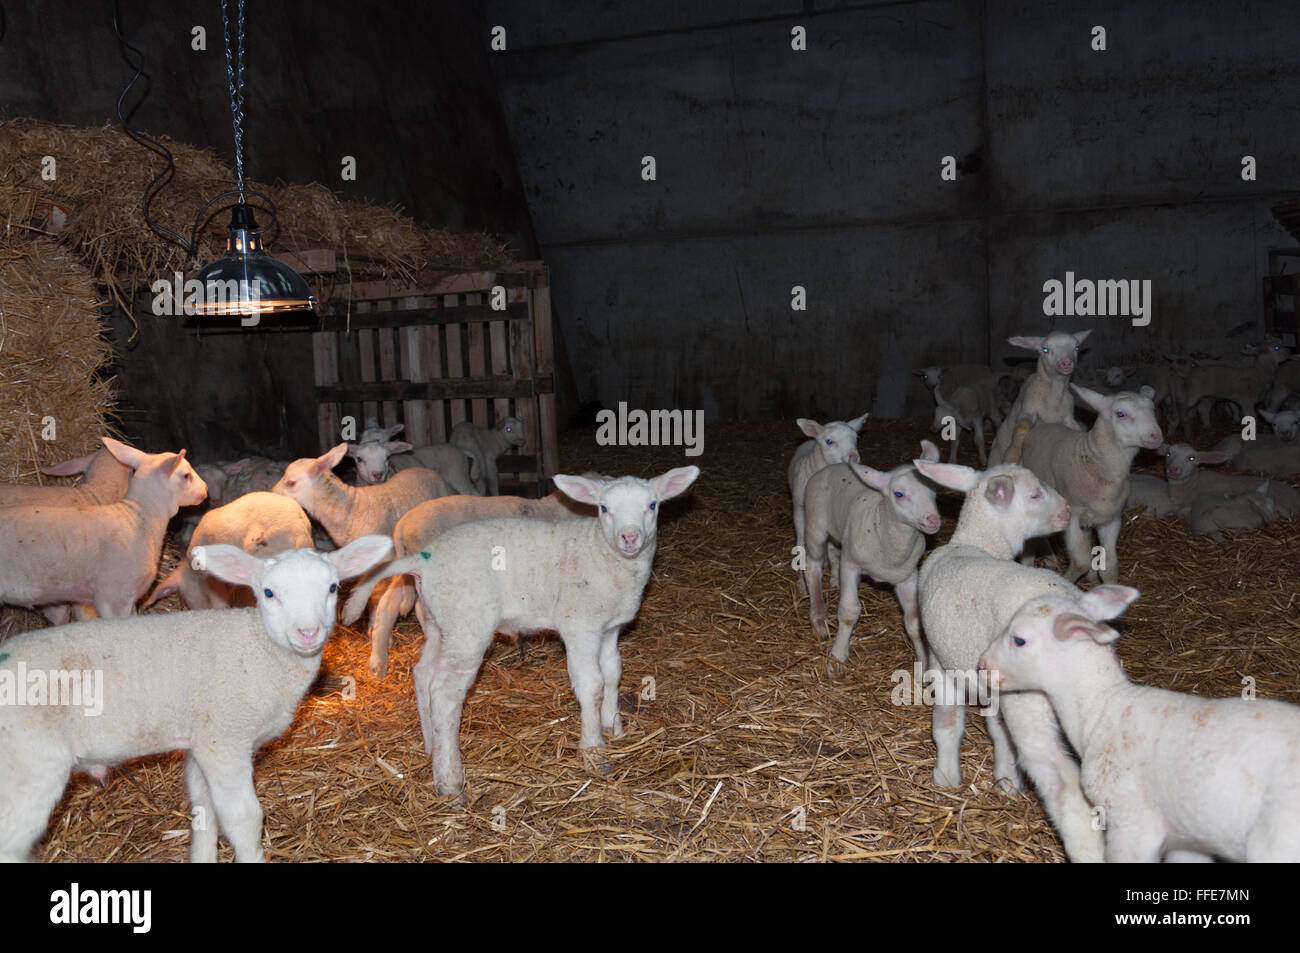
[(744, 213)]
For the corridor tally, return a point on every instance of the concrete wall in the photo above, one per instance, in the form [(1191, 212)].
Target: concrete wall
[(404, 88), (821, 168)]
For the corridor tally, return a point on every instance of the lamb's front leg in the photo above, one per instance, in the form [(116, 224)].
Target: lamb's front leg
[(905, 592), (979, 443), (582, 650), (203, 815), (1108, 535), (611, 670), (850, 610), (1076, 543), (229, 775)]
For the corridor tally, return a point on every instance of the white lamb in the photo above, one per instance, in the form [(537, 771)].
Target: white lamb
[(107, 554), (880, 520), (1046, 394), (377, 459), (349, 512), (581, 578), (1243, 387), (1169, 771), (968, 406), (371, 452), (261, 524), (835, 442), (968, 590), (1091, 470), (217, 684), (230, 481), (1150, 494), (1187, 480), (485, 447), (1212, 513), (421, 526), (106, 482)]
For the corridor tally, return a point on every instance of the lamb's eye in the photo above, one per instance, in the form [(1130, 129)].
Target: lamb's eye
[(1044, 349), (603, 508), (653, 503), (898, 494), (830, 442), (268, 593), (1037, 496), (1120, 414), (1017, 640)]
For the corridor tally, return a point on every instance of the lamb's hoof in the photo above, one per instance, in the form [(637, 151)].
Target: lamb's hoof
[(1008, 786), (616, 729), (459, 796), (819, 630), (800, 588), (596, 762), (944, 781), (836, 668), (378, 667)]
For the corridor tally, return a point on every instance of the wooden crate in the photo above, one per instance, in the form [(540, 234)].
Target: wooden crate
[(431, 357), (1282, 308)]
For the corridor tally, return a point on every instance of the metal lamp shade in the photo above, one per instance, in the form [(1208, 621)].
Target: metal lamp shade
[(247, 281)]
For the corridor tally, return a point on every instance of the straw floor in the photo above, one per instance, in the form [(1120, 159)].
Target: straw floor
[(746, 751)]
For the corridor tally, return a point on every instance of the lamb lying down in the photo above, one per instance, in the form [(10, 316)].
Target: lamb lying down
[(1170, 771), (1212, 513)]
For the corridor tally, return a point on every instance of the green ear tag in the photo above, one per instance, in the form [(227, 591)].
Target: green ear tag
[(4, 657), (425, 555)]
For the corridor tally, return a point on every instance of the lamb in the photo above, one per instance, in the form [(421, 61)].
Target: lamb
[(1286, 384), (261, 524), (582, 578), (1277, 455), (484, 447), (1214, 512), (105, 554), (217, 684), (416, 530), (1187, 480), (1171, 771), (968, 590), (1091, 470), (1151, 495), (230, 481), (880, 520), (349, 512), (835, 442), (968, 407), (106, 482), (1243, 386), (377, 458), (1046, 394)]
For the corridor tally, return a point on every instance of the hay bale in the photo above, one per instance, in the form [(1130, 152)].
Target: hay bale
[(101, 174)]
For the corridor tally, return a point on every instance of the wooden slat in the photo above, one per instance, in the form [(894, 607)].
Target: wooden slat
[(455, 360), (432, 342), (403, 317), (475, 339), (545, 344), (327, 369), (367, 372), (458, 390), (499, 335)]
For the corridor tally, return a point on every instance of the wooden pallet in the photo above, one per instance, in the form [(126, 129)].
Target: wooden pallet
[(431, 357)]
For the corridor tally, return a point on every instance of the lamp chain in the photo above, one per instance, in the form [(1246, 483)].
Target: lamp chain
[(235, 80)]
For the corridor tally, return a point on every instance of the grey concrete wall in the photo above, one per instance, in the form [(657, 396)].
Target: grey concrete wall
[(821, 168)]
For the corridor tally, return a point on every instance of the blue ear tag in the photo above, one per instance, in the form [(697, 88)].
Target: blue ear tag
[(425, 555)]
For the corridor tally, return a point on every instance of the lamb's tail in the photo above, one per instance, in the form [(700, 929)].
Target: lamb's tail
[(356, 603)]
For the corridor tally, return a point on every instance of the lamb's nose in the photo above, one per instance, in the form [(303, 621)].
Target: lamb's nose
[(630, 539)]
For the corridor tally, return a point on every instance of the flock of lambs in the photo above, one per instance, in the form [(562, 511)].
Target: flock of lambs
[(1162, 775), (1159, 775)]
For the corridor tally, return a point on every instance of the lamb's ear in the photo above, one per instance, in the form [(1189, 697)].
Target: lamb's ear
[(1028, 343), (1097, 402), (353, 451), (1162, 450), (329, 460), (1001, 490), (360, 554), (1270, 417), (578, 488), (175, 462), (1081, 336), (929, 451), (229, 563), (1262, 489), (127, 456), (1070, 626), (1147, 391), (1213, 456), (810, 427), (674, 482), (872, 478), (952, 475), (70, 467), (399, 446), (857, 422), (393, 431), (237, 467), (1108, 602)]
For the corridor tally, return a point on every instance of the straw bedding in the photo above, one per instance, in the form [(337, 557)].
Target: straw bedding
[(746, 751)]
